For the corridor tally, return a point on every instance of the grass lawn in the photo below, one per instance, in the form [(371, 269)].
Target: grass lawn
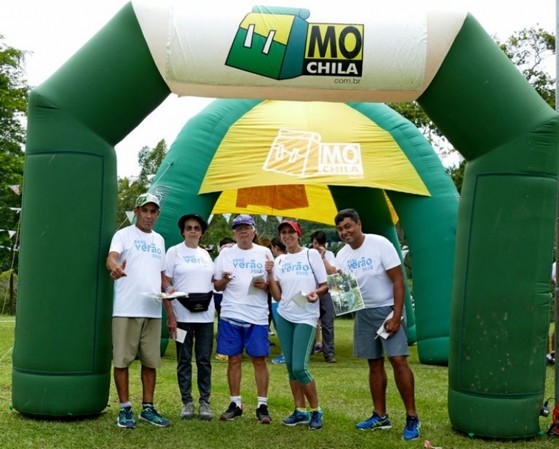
[(342, 389)]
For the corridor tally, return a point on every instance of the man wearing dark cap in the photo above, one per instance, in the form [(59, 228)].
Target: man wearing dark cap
[(136, 263), (243, 325)]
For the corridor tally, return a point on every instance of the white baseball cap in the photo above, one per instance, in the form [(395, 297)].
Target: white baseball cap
[(145, 198)]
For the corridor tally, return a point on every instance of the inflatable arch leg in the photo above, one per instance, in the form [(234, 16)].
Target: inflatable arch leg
[(505, 236), (62, 338)]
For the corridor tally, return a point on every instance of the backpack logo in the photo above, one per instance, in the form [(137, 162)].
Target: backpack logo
[(302, 154), (279, 43)]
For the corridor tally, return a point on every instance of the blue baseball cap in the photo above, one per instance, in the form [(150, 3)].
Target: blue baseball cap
[(242, 220)]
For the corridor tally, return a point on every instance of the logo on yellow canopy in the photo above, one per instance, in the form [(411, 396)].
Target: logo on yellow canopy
[(302, 154), (279, 43)]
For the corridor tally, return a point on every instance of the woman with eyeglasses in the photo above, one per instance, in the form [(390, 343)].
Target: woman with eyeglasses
[(190, 318)]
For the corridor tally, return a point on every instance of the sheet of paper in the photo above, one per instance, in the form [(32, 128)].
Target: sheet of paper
[(175, 295), (181, 335), (300, 299), (159, 295), (252, 290), (381, 332)]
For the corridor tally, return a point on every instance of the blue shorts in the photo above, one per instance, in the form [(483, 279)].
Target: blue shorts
[(234, 337), (366, 345)]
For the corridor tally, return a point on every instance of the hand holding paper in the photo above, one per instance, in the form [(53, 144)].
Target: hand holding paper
[(382, 332), (312, 296), (256, 284)]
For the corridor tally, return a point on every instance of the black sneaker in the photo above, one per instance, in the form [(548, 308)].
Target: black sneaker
[(231, 413), (262, 414)]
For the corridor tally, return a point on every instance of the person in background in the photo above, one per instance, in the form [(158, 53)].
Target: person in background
[(225, 242), (189, 269), (325, 327), (375, 263), (136, 263), (550, 356), (243, 325), (297, 281), (278, 250)]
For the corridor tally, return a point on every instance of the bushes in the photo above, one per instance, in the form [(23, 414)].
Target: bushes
[(8, 292)]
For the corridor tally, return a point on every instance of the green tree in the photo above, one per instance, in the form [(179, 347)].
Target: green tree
[(13, 106), (457, 175), (129, 188), (150, 159), (128, 191), (217, 229), (530, 50)]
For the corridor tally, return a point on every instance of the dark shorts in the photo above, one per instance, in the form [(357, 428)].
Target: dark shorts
[(235, 337), (366, 344)]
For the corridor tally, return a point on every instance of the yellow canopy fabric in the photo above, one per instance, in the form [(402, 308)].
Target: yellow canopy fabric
[(311, 203), (309, 143)]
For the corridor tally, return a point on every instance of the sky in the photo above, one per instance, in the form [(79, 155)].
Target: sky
[(51, 31)]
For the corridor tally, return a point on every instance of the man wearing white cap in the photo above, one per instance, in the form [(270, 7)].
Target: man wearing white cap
[(243, 325), (136, 262)]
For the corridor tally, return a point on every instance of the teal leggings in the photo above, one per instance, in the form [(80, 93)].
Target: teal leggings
[(297, 343)]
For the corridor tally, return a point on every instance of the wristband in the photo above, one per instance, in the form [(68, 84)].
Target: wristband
[(169, 288)]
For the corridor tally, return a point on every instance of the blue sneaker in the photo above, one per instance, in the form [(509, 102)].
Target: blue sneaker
[(411, 431), (316, 420), (152, 416), (279, 360), (297, 417), (126, 418), (375, 422)]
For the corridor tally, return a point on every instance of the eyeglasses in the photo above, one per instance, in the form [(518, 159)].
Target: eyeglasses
[(193, 228)]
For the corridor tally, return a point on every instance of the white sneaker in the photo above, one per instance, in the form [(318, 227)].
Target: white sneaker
[(187, 411), (205, 411)]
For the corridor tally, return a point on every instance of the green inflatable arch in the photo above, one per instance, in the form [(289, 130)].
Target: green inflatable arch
[(499, 310)]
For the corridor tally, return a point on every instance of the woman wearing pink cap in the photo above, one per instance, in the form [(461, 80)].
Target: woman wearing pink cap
[(296, 282)]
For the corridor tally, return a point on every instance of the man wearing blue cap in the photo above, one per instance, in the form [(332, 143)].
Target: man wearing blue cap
[(243, 324)]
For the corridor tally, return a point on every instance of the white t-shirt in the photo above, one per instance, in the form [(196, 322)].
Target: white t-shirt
[(369, 263), (134, 294), (277, 261), (191, 270), (295, 276), (330, 257), (241, 301)]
